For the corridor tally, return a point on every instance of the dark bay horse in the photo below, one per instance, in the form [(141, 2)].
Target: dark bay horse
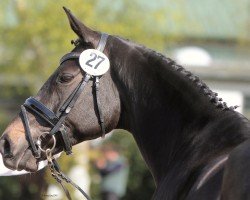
[(195, 146)]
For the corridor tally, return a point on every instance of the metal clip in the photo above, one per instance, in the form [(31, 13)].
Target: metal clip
[(39, 143)]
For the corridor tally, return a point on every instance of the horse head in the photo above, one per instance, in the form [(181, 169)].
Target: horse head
[(81, 123)]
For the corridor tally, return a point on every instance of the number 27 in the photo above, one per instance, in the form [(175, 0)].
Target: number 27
[(97, 58)]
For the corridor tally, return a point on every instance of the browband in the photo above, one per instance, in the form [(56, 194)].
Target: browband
[(68, 56)]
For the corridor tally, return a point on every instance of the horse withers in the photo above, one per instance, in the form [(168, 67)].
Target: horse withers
[(195, 146)]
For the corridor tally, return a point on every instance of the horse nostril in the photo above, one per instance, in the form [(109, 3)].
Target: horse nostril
[(6, 149)]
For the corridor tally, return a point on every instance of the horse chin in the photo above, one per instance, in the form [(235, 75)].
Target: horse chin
[(27, 162)]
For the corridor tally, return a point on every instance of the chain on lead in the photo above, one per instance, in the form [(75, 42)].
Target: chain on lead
[(54, 172), (49, 157)]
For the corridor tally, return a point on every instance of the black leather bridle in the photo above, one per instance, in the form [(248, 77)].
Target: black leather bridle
[(57, 120)]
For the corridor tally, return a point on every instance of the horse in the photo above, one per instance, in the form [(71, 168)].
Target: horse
[(195, 146)]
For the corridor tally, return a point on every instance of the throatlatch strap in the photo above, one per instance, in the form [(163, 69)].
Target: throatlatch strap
[(99, 109), (35, 150)]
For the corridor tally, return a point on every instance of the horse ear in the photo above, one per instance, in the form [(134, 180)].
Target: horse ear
[(81, 30)]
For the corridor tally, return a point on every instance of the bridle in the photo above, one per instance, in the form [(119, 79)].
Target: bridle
[(57, 120)]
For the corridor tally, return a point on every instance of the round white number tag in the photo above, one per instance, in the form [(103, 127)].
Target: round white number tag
[(94, 62)]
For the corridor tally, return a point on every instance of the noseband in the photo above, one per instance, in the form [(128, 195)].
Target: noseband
[(57, 120)]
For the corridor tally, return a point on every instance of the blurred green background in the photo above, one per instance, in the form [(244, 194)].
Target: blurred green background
[(211, 38)]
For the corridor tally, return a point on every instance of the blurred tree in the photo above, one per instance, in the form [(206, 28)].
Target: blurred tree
[(32, 44)]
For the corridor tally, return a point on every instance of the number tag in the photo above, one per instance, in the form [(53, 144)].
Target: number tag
[(94, 62)]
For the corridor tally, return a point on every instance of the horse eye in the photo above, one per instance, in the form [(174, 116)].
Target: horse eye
[(65, 78)]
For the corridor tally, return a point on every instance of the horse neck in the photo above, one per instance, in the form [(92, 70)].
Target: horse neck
[(162, 109)]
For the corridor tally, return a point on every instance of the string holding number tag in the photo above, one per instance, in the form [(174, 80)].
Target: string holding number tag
[(94, 62)]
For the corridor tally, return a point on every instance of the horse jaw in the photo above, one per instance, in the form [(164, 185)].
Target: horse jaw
[(4, 171)]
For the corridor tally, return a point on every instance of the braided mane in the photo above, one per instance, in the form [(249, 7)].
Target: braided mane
[(212, 96)]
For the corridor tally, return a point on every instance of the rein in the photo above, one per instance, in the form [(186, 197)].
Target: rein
[(57, 120)]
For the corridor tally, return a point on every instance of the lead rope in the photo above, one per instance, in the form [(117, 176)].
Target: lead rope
[(60, 177)]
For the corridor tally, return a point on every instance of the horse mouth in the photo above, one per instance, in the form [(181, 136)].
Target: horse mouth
[(24, 161)]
